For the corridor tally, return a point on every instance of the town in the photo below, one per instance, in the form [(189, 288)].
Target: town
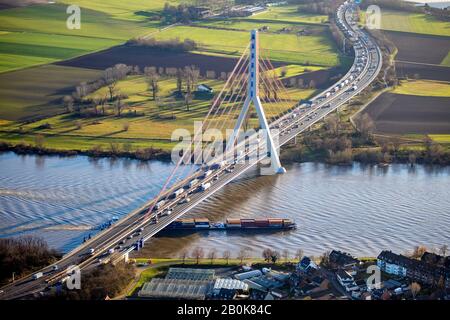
[(336, 275)]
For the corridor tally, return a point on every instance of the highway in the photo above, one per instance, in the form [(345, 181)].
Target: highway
[(122, 236)]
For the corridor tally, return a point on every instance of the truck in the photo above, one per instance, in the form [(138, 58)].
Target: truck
[(205, 186), (207, 173), (160, 204), (91, 251), (327, 94), (192, 183), (37, 275), (354, 88), (177, 193)]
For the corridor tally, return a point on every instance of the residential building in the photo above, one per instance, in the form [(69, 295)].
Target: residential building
[(340, 259)]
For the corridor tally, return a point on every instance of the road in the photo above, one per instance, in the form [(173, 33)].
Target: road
[(122, 235)]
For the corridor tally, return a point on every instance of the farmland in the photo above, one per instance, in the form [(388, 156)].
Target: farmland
[(38, 34), (149, 122)]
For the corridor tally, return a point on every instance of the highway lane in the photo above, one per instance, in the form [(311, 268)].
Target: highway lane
[(298, 120)]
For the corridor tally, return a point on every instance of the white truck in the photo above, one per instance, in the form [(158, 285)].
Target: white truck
[(37, 275), (193, 182), (177, 193), (207, 173), (160, 204), (205, 186)]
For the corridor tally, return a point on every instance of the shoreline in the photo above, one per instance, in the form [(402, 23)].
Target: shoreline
[(151, 154)]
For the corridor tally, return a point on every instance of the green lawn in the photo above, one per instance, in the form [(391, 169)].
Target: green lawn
[(316, 50), (427, 88), (289, 14), (38, 34), (413, 23), (38, 91)]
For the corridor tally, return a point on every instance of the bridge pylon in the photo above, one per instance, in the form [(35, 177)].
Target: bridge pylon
[(252, 97)]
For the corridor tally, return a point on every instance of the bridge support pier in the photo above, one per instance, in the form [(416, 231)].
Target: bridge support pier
[(253, 98), (126, 257)]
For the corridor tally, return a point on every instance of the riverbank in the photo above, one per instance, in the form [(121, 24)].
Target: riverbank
[(140, 154)]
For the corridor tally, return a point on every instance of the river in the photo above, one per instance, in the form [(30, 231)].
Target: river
[(360, 209)]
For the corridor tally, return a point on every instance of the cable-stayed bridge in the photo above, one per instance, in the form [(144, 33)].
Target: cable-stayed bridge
[(260, 116)]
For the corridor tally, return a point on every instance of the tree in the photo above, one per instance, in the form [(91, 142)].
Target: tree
[(275, 256), (415, 288), (332, 123), (126, 126), (179, 81), (283, 72), (39, 140), (412, 158), (187, 100), (443, 249), (152, 79), (226, 255), (197, 254), (418, 251), (242, 255), (184, 255), (299, 254), (267, 254), (78, 124), (212, 255), (286, 255), (365, 125), (119, 105), (325, 259), (68, 103)]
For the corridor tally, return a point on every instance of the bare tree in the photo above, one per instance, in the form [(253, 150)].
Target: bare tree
[(68, 103), (198, 253), (418, 251), (152, 79), (226, 255), (79, 124), (126, 126), (119, 105), (365, 125), (275, 256), (187, 100), (39, 140), (332, 123), (242, 255), (299, 254), (212, 255), (286, 255), (179, 81), (267, 254), (443, 249), (415, 288), (183, 255)]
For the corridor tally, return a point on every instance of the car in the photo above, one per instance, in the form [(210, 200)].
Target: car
[(55, 267), (185, 200), (130, 237), (122, 242)]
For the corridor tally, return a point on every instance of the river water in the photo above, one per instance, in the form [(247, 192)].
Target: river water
[(360, 209)]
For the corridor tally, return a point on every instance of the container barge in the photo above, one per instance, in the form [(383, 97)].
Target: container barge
[(232, 224)]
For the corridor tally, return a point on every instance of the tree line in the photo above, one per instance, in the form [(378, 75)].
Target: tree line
[(24, 255)]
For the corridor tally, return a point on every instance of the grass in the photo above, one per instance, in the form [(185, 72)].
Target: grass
[(317, 50), (38, 34), (440, 138), (38, 91), (446, 61), (152, 125), (427, 88), (289, 14), (413, 23)]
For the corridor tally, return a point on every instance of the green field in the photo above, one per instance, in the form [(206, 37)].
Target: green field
[(316, 50), (426, 88), (38, 91), (38, 34), (152, 125), (289, 14), (413, 23)]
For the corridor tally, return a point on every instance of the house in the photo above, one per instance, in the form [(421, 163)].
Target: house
[(204, 88), (340, 259), (413, 269), (228, 287), (248, 275), (306, 265), (436, 259), (346, 280)]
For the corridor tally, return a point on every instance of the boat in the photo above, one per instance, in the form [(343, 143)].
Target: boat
[(204, 224)]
